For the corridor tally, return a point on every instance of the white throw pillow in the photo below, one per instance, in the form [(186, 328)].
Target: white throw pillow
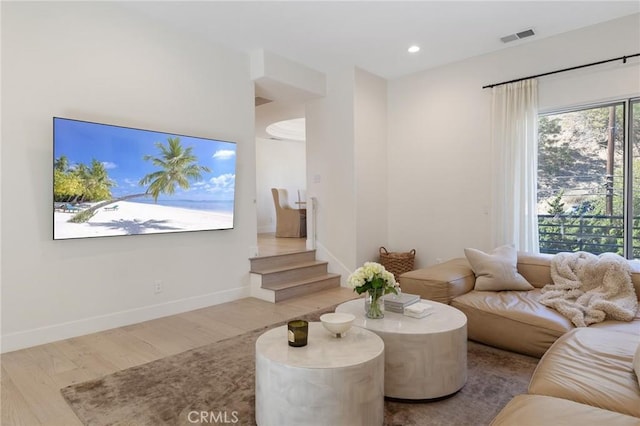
[(497, 270), (636, 364)]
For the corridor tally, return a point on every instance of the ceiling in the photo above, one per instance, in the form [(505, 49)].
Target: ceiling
[(375, 35)]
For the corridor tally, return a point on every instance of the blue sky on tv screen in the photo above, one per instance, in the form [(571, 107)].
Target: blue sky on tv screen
[(122, 152)]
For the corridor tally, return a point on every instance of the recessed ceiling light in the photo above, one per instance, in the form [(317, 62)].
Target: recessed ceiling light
[(413, 49)]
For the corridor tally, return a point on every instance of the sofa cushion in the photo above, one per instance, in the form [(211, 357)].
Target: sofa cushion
[(632, 326), (535, 268), (497, 270), (591, 366), (512, 320), (441, 282), (536, 410)]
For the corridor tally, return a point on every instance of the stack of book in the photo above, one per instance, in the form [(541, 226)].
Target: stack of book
[(419, 310), (397, 302)]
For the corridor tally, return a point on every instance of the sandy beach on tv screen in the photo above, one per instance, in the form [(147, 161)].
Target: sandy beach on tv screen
[(130, 218)]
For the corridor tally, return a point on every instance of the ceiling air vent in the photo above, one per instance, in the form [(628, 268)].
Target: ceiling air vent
[(517, 36)]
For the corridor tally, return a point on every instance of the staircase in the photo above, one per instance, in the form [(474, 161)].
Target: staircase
[(283, 276)]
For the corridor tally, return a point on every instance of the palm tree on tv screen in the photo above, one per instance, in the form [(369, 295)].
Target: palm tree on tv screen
[(80, 183), (96, 181), (178, 166)]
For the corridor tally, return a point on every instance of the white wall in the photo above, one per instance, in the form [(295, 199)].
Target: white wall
[(330, 170), (92, 61), (439, 151), (346, 168), (370, 143), (279, 164)]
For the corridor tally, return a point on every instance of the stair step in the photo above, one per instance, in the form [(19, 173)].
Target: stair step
[(289, 284), (287, 290), (262, 263), (291, 273), (283, 268), (283, 276)]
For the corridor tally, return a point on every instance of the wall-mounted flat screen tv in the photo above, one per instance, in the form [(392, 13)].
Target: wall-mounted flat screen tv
[(110, 180)]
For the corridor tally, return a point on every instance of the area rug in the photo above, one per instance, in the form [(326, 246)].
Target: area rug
[(214, 384)]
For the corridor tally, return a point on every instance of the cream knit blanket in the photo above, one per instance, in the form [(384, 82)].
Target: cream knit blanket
[(588, 288)]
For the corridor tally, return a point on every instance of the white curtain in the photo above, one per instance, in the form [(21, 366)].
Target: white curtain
[(514, 142)]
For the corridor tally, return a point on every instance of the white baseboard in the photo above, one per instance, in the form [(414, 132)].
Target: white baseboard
[(261, 293), (52, 333), (335, 266)]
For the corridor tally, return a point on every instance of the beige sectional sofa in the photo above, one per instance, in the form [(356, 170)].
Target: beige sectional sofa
[(586, 375), (512, 320)]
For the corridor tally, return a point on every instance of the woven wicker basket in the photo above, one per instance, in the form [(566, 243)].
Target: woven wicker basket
[(397, 262)]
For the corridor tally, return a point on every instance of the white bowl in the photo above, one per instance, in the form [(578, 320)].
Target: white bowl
[(337, 323)]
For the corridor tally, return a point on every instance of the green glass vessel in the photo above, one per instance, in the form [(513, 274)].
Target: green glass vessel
[(297, 332)]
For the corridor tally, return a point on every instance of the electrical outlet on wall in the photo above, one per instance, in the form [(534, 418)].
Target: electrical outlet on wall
[(157, 287)]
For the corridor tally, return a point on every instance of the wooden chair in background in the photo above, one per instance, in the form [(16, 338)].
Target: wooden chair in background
[(290, 222)]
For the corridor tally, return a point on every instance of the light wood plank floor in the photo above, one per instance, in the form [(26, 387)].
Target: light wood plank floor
[(31, 378), (269, 245)]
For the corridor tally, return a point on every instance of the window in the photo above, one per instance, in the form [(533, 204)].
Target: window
[(585, 201)]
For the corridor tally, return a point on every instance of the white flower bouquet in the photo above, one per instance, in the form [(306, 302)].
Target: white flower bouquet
[(374, 277)]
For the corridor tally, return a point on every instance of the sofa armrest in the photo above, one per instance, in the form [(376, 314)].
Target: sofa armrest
[(441, 282)]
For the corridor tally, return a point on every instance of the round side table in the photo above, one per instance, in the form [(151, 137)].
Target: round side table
[(331, 381), (425, 358)]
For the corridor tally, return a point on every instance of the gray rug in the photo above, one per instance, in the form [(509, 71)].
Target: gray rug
[(218, 380)]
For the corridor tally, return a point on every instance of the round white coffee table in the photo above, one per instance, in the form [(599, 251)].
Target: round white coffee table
[(425, 358), (331, 381)]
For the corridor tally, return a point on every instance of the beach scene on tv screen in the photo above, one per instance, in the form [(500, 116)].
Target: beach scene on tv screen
[(110, 180)]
